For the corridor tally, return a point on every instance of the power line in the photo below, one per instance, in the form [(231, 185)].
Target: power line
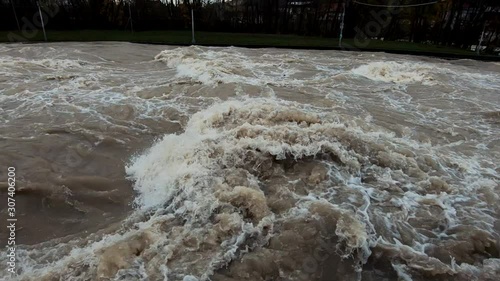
[(395, 6)]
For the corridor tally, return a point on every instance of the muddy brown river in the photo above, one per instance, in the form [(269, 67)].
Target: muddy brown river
[(141, 162)]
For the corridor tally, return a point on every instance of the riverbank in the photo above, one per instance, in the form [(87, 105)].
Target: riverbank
[(247, 40)]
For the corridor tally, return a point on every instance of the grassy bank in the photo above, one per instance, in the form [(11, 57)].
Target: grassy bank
[(242, 39)]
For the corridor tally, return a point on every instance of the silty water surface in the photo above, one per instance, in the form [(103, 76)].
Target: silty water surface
[(138, 162)]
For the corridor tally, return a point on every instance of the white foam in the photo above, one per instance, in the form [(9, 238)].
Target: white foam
[(213, 66), (396, 72), (182, 174)]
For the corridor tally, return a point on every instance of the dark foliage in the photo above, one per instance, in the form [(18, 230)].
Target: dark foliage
[(459, 23)]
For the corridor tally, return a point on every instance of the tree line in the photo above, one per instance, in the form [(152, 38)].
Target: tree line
[(459, 23)]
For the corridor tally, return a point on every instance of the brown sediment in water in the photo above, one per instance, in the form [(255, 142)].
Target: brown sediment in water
[(280, 166)]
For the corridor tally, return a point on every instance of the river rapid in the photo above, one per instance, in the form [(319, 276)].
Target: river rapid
[(148, 162)]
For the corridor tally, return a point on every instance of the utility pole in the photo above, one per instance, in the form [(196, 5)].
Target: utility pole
[(193, 41), (130, 18), (478, 47), (342, 25), (15, 15), (41, 19)]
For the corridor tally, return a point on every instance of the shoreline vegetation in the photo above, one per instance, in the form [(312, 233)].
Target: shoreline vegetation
[(248, 40)]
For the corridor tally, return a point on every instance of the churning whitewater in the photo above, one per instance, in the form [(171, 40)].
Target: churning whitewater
[(141, 162)]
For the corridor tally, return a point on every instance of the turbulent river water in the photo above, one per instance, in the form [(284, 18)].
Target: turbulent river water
[(138, 162)]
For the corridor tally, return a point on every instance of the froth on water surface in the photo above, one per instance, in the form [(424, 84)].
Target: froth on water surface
[(153, 163)]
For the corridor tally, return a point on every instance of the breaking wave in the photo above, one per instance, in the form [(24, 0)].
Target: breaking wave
[(228, 66), (261, 189), (396, 72), (354, 169)]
